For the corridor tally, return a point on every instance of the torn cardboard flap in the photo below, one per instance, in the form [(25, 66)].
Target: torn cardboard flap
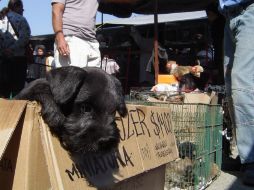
[(10, 114), (23, 164)]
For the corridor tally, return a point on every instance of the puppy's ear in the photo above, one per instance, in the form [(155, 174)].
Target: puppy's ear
[(39, 90), (65, 82), (121, 105)]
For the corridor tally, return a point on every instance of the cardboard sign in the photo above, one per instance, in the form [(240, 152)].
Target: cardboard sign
[(36, 160), (9, 122), (22, 163), (146, 143), (152, 180)]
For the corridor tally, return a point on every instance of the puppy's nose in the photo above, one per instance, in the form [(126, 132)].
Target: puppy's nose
[(108, 144)]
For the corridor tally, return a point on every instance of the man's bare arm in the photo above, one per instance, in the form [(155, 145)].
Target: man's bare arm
[(57, 15), (57, 22)]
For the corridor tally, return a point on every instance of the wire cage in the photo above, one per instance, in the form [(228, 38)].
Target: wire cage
[(197, 128)]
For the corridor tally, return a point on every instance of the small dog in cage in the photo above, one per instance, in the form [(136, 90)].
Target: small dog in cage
[(79, 106), (189, 82), (179, 174)]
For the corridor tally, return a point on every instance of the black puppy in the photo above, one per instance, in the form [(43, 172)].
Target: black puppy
[(79, 106), (189, 82)]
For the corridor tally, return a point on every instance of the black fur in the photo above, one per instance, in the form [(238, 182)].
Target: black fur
[(79, 106), (189, 82)]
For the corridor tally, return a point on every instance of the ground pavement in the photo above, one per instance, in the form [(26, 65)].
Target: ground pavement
[(229, 180)]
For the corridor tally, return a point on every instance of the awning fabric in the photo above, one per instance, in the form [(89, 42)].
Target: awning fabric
[(124, 8), (162, 18)]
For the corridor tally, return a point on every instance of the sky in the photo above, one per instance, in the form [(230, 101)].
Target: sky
[(38, 15)]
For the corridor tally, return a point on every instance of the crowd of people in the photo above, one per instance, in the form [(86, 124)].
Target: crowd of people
[(76, 45), (42, 62)]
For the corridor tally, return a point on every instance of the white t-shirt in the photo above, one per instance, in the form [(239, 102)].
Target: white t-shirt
[(110, 65)]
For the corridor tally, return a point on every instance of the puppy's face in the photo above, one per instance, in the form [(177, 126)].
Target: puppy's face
[(187, 83), (86, 130), (190, 82), (79, 106), (90, 114)]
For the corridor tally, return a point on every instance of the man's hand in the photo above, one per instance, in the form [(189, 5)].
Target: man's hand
[(62, 45)]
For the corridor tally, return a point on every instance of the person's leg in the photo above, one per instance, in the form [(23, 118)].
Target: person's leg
[(239, 80), (79, 51), (3, 78), (229, 50), (242, 28), (17, 74), (82, 54), (94, 57)]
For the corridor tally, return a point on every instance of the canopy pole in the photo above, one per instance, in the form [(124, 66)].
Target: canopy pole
[(102, 20), (156, 58)]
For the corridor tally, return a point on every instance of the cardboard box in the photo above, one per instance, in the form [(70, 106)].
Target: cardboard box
[(197, 98), (30, 158), (22, 161)]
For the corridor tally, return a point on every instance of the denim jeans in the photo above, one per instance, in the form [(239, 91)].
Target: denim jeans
[(239, 76)]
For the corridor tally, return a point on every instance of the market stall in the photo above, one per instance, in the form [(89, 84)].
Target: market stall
[(124, 8)]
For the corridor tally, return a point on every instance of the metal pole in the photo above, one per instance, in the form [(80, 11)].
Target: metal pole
[(102, 20), (156, 58), (102, 33)]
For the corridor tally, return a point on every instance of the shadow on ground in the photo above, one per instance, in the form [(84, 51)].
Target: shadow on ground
[(229, 181)]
